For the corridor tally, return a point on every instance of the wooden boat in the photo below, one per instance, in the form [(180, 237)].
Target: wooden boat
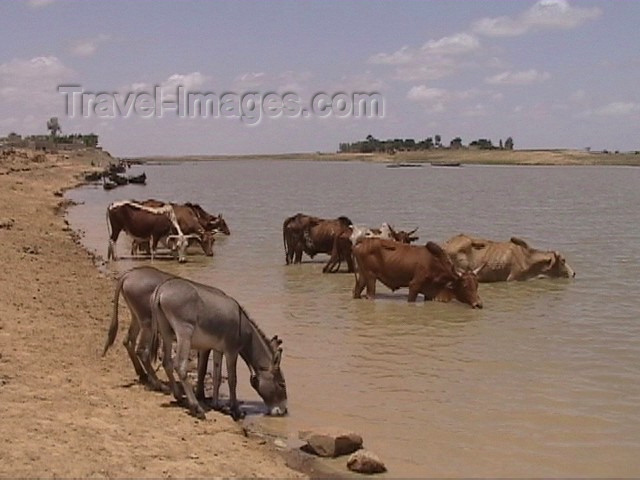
[(108, 185), (139, 179), (403, 165), (445, 164)]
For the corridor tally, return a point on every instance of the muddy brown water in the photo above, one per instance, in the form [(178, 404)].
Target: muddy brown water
[(543, 382)]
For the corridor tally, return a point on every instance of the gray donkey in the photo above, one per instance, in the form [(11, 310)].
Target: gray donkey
[(205, 318)]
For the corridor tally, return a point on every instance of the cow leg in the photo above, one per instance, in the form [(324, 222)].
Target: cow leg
[(359, 286), (232, 360), (371, 287), (111, 249), (182, 369), (350, 268), (130, 345)]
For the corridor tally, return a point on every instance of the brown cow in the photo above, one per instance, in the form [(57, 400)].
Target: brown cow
[(506, 261), (424, 269), (208, 221), (143, 222), (293, 235), (312, 235)]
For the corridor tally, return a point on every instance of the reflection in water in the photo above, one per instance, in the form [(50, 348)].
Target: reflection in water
[(543, 382)]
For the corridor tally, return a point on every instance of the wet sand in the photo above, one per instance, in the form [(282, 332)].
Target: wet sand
[(66, 411)]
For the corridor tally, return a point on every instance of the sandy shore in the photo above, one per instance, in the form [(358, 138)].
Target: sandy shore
[(464, 156), (65, 410)]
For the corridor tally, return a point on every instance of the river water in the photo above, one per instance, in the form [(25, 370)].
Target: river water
[(543, 382)]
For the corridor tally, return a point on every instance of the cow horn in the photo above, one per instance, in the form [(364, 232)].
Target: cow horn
[(476, 271), (413, 231)]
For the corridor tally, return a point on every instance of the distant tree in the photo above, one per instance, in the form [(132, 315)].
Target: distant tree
[(501, 146), (429, 142), (456, 143), (508, 143), (438, 139), (54, 126)]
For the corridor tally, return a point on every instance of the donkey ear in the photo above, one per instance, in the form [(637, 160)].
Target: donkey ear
[(276, 358)]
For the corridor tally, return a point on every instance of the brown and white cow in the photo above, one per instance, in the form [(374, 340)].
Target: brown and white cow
[(190, 224), (426, 270), (144, 223), (506, 261)]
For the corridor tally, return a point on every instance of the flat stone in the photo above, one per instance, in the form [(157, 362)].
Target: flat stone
[(330, 442), (364, 461)]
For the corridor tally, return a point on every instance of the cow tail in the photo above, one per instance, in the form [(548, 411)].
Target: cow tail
[(109, 231), (284, 240), (113, 328)]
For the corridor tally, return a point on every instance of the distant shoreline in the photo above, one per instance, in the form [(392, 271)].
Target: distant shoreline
[(463, 156)]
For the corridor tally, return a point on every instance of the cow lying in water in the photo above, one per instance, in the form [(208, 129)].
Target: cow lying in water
[(506, 261), (426, 270)]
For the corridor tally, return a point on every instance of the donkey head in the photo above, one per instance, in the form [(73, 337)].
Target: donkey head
[(269, 382)]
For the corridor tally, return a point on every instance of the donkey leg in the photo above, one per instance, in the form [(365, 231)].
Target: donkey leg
[(182, 367), (203, 363), (217, 378), (129, 344), (232, 360), (144, 353)]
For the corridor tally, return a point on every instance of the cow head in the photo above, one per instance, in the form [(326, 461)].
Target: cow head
[(206, 240), (463, 284), (218, 224), (179, 244), (269, 382), (465, 287), (556, 266), (404, 237)]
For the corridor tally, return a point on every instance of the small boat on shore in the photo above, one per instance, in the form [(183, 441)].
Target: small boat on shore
[(403, 165), (445, 164), (138, 179)]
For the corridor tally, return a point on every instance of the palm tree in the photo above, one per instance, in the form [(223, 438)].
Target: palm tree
[(54, 126)]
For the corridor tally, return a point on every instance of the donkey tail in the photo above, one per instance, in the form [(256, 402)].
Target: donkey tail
[(113, 328)]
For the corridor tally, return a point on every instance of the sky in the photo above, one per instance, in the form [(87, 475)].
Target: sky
[(548, 73)]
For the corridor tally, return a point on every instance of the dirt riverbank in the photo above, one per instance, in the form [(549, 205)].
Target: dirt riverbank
[(462, 156), (65, 410)]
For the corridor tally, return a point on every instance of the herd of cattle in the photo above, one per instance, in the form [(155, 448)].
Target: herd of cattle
[(167, 307), (438, 273)]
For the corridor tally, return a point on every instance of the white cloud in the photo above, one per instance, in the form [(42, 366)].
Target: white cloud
[(251, 79), (33, 81), (39, 3), (544, 14), (616, 109), (433, 60), (526, 77), (457, 44), (88, 46), (399, 57)]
